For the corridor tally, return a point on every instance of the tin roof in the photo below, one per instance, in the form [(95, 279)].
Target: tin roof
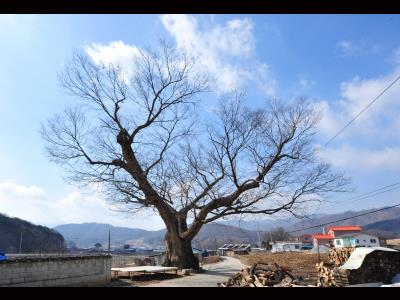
[(322, 236), (345, 228)]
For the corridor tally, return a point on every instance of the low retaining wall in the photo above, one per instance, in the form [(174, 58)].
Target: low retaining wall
[(42, 271), (122, 260)]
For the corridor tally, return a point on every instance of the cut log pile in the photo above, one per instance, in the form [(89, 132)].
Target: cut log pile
[(326, 276), (263, 275), (338, 256), (378, 266), (331, 276)]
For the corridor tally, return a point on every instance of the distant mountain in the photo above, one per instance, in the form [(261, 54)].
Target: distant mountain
[(262, 225), (215, 234), (387, 228), (35, 238), (87, 234)]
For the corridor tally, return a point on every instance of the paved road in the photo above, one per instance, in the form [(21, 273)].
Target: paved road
[(217, 272)]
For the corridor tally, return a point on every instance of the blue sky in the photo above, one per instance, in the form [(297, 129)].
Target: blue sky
[(341, 62)]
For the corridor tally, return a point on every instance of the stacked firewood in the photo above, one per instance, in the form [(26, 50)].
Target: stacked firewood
[(328, 276), (338, 256), (263, 275)]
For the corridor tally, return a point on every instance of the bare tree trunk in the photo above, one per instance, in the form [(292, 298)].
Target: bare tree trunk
[(179, 252)]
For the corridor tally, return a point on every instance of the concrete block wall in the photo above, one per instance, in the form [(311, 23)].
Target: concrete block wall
[(56, 271), (121, 260)]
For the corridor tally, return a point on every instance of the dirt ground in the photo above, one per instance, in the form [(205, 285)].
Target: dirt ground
[(141, 280), (300, 264), (211, 260)]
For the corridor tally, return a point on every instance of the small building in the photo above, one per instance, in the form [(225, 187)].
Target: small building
[(283, 246), (306, 239), (322, 239), (357, 240), (336, 231), (234, 249)]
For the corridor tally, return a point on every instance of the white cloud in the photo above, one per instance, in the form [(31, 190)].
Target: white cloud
[(330, 121), (226, 52), (377, 120), (223, 51), (12, 189), (116, 53), (32, 203), (356, 48), (305, 83), (346, 47), (371, 142), (362, 159)]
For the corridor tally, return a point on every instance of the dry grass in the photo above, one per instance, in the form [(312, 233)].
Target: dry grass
[(393, 242), (300, 263), (211, 260)]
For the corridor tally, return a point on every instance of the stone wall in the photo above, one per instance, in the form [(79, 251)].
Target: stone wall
[(42, 271), (122, 260)]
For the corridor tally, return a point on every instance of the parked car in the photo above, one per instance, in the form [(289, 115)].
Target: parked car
[(3, 256), (205, 253)]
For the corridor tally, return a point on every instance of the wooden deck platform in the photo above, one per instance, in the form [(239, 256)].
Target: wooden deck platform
[(142, 269)]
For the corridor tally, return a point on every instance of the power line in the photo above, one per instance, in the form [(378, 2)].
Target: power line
[(388, 186), (369, 194), (364, 109), (344, 219)]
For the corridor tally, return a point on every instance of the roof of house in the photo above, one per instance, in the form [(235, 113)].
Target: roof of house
[(287, 242), (354, 235), (345, 228), (235, 247), (322, 236)]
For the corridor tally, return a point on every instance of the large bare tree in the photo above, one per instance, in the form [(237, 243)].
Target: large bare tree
[(144, 139)]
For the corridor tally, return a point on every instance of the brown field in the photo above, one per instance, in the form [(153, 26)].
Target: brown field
[(211, 259), (300, 264)]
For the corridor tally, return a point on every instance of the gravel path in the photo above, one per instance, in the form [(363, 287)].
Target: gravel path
[(217, 272)]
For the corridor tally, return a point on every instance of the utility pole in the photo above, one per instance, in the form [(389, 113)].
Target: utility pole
[(259, 238), (109, 241), (20, 243)]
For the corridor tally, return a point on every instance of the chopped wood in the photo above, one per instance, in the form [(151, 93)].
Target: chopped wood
[(338, 256), (328, 276), (263, 275)]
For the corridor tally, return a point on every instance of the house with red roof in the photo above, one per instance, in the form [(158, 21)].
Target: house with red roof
[(336, 231), (322, 239)]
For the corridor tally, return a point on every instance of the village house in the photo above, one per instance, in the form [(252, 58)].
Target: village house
[(336, 231), (306, 239), (282, 246), (357, 240), (322, 240)]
